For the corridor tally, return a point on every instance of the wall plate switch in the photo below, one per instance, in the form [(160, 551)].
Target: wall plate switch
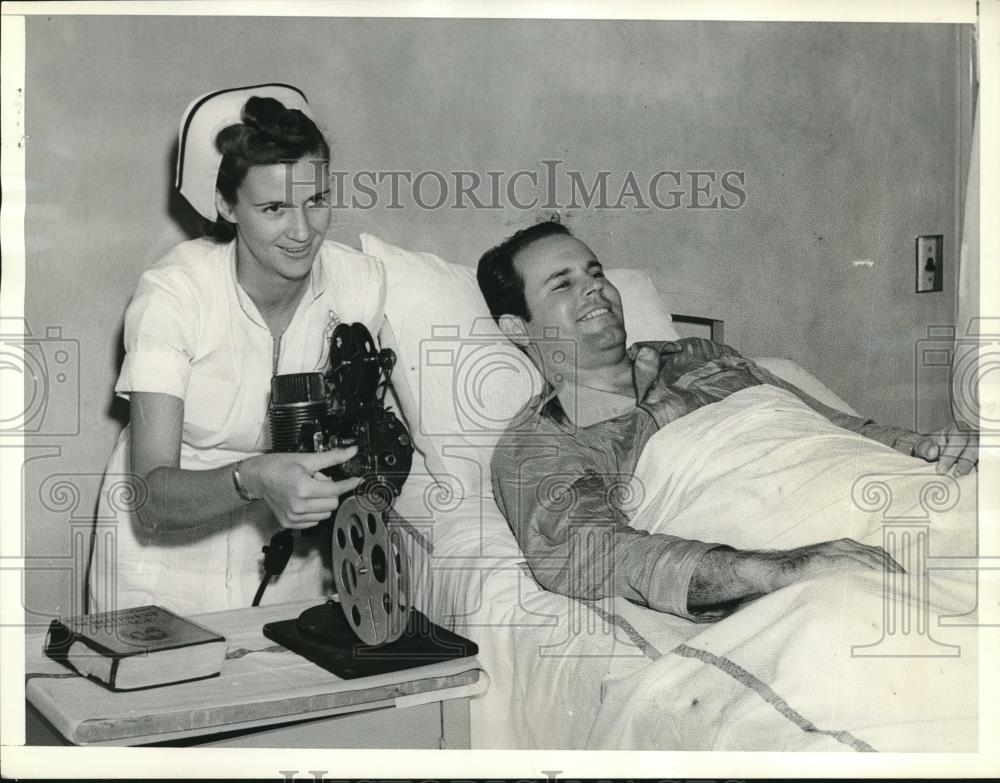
[(930, 263)]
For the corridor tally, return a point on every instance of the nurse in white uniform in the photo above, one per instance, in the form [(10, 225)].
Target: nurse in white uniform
[(190, 495)]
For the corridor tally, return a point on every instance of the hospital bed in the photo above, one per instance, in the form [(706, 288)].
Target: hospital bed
[(848, 662)]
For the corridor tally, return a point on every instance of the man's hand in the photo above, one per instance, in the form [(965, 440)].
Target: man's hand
[(806, 561), (954, 450)]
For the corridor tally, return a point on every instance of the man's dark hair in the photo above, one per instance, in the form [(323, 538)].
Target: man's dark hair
[(499, 280)]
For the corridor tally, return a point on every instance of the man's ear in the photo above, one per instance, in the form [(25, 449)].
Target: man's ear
[(223, 207), (513, 326)]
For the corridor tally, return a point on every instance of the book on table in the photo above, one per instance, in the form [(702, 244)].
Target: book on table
[(140, 647)]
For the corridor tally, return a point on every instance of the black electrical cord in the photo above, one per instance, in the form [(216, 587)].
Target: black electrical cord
[(276, 556)]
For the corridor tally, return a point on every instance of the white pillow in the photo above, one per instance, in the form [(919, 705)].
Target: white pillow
[(458, 380)]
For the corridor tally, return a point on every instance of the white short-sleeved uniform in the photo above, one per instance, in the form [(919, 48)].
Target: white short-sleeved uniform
[(192, 332)]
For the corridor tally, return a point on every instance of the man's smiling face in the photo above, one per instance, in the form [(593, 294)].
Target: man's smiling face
[(565, 288)]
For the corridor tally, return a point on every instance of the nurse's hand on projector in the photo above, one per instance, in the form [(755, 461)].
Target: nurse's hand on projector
[(293, 486)]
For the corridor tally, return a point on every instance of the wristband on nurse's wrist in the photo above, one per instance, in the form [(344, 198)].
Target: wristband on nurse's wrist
[(241, 490)]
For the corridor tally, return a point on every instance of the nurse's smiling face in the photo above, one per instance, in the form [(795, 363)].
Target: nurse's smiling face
[(281, 215)]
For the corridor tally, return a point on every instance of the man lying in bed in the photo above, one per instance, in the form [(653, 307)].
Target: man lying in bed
[(594, 419)]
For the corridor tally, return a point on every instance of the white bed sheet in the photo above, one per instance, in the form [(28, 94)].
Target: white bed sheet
[(611, 674), (852, 659)]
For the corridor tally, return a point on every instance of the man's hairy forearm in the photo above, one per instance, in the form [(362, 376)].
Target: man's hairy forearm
[(727, 575)]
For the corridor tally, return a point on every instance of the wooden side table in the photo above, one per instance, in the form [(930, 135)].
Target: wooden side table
[(265, 697)]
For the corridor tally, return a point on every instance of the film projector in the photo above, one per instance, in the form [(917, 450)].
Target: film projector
[(370, 627)]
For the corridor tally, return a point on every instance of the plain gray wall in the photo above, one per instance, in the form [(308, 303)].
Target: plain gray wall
[(848, 136)]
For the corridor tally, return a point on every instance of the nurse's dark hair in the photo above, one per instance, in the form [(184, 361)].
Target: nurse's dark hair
[(499, 280), (268, 133)]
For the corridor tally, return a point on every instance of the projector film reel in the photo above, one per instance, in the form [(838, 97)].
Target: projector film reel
[(354, 362), (370, 569)]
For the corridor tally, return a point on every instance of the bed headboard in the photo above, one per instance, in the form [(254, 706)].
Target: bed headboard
[(698, 326)]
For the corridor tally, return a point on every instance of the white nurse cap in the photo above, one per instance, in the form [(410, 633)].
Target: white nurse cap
[(198, 159)]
